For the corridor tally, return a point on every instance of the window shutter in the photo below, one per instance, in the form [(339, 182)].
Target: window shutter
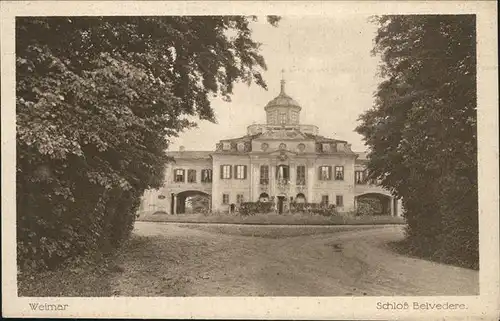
[(245, 172), (221, 171), (329, 172), (319, 173), (230, 171), (235, 171)]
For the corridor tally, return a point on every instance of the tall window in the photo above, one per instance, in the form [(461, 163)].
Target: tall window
[(206, 175), (191, 176), (359, 177), (325, 173), (282, 118), (240, 171), (225, 198), (225, 171), (324, 200), (339, 173), (301, 175), (239, 198), (282, 172), (339, 201), (264, 174), (179, 176)]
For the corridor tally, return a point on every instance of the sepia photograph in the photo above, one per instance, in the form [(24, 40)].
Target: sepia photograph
[(183, 155)]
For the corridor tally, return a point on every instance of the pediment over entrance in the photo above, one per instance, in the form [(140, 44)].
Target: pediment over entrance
[(281, 155)]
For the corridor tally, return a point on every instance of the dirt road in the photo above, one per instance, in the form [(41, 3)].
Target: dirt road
[(230, 260)]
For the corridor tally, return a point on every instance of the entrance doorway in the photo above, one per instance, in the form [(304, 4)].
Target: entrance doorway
[(281, 200)]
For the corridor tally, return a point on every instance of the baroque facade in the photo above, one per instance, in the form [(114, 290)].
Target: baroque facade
[(283, 161)]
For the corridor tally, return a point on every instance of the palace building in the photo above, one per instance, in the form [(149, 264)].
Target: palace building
[(281, 161)]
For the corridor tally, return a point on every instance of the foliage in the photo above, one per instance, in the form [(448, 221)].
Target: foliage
[(252, 208), (314, 208), (422, 130), (199, 203), (97, 100), (369, 206)]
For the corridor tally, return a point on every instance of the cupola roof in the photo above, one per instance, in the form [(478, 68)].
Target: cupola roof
[(283, 100)]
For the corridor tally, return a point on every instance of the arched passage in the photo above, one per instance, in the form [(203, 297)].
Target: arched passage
[(379, 204), (193, 202)]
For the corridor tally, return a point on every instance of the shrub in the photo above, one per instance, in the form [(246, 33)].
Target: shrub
[(252, 208), (314, 208)]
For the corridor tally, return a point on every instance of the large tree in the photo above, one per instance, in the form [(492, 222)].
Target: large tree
[(421, 131), (97, 100)]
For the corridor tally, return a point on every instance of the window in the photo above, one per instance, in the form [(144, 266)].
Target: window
[(206, 175), (294, 117), (179, 176), (225, 171), (301, 175), (272, 118), (282, 118), (240, 171), (339, 201), (324, 200), (325, 173), (339, 173), (358, 177), (191, 176), (325, 147), (225, 198), (226, 146), (239, 198), (282, 172), (264, 174)]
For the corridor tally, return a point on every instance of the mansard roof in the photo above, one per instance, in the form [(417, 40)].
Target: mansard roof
[(319, 138), (242, 138), (191, 154)]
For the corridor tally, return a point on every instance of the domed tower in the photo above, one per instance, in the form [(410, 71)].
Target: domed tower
[(283, 110)]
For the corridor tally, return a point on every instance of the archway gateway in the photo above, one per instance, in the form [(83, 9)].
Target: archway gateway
[(379, 204), (191, 202)]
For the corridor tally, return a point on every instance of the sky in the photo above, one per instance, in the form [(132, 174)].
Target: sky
[(328, 69)]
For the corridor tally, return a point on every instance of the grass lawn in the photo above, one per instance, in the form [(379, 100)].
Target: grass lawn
[(92, 279), (272, 219)]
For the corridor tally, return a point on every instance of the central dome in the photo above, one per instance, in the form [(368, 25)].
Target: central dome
[(282, 100), (283, 110)]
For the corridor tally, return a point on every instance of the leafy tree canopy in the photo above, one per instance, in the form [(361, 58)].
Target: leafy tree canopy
[(98, 99), (421, 131)]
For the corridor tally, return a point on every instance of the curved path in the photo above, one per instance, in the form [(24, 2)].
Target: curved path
[(216, 260)]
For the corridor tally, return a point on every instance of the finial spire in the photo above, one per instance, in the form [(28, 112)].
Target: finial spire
[(282, 81)]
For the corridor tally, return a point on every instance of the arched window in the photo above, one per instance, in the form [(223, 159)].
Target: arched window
[(264, 197), (300, 198)]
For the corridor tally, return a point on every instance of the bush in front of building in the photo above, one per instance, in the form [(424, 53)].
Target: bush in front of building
[(252, 208), (314, 208), (368, 207)]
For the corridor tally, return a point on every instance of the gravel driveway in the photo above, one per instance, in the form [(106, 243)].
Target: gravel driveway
[(231, 260)]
